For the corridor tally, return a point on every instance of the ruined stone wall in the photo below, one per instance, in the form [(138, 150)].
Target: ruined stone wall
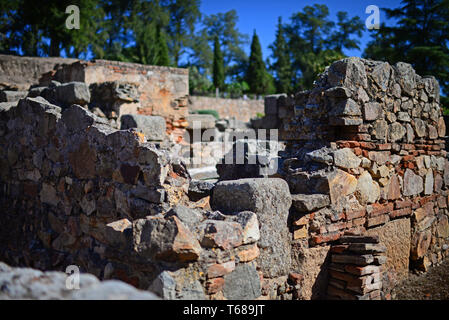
[(162, 90), (20, 73), (239, 109), (365, 155), (74, 190)]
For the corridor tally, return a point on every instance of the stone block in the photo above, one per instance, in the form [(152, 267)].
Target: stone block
[(153, 127)]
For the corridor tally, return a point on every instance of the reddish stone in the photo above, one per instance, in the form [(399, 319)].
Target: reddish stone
[(384, 146), (249, 254), (220, 269), (336, 226), (355, 214), (377, 220), (321, 238), (442, 202), (379, 209), (401, 213), (408, 158), (394, 188), (339, 248), (358, 222), (357, 151), (403, 204), (368, 145), (295, 278), (214, 285)]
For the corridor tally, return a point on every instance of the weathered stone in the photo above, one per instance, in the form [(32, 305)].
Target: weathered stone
[(322, 155), (441, 127), (223, 234), (12, 96), (360, 260), (30, 284), (250, 226), (420, 244), (380, 129), (270, 200), (372, 111), (48, 195), (310, 202), (394, 188), (164, 285), (190, 217), (433, 133), (153, 127), (367, 191), (73, 93), (200, 121), (443, 227), (243, 283), (119, 233), (346, 108), (420, 127), (406, 77), (168, 240), (345, 158), (248, 254), (413, 184), (428, 182), (396, 132), (220, 269), (404, 117), (410, 137), (349, 72), (341, 184)]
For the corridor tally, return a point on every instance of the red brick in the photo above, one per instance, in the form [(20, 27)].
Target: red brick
[(355, 214), (338, 217), (378, 209), (400, 213), (365, 153), (368, 145), (406, 146), (357, 151), (408, 158), (384, 146), (339, 248), (321, 238), (336, 226), (399, 204), (358, 222), (377, 220)]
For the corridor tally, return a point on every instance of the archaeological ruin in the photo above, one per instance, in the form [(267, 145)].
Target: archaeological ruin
[(343, 190)]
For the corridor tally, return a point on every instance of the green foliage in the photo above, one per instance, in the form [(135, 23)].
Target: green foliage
[(199, 84), (282, 65), (420, 37), (218, 67), (211, 112), (260, 115), (314, 41), (237, 89), (257, 77)]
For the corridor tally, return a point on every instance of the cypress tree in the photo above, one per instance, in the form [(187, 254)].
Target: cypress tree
[(282, 65), (257, 76), (218, 66), (163, 58)]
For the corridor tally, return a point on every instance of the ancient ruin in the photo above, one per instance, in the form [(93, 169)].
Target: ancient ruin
[(91, 174)]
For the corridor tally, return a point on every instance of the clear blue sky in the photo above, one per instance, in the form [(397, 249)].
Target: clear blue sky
[(262, 15)]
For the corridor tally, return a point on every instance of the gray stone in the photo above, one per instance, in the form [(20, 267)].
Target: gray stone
[(25, 283), (200, 121), (222, 234), (153, 127), (348, 72), (410, 133), (192, 291), (270, 200), (12, 96), (345, 158), (48, 195), (271, 103), (380, 129), (77, 118), (73, 93), (404, 116), (190, 217), (250, 226), (372, 111), (413, 184), (429, 181), (243, 283), (164, 285), (322, 155), (396, 132), (381, 75), (420, 127), (406, 77), (310, 202), (199, 189), (347, 107)]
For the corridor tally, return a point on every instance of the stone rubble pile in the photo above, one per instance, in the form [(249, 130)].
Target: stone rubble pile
[(355, 272)]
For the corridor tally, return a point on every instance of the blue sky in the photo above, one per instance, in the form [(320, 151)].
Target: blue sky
[(262, 15)]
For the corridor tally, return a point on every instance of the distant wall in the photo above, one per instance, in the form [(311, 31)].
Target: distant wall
[(21, 72), (227, 108)]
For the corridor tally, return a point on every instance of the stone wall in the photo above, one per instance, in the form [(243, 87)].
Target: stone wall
[(20, 73), (239, 109), (74, 190), (365, 155)]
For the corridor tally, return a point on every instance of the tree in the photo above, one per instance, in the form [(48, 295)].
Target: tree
[(183, 16), (282, 65), (218, 68), (314, 41), (420, 37), (162, 48), (257, 76)]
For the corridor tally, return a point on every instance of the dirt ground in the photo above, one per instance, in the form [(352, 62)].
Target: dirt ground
[(432, 285)]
